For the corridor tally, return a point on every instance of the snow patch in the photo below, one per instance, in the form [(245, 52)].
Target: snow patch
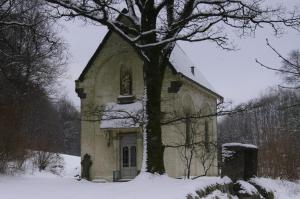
[(72, 165), (247, 188), (282, 189), (220, 195), (240, 144), (226, 154), (145, 122)]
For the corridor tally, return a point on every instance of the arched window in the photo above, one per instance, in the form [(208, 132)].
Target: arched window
[(208, 128), (125, 80), (188, 108), (125, 156), (206, 136), (188, 129)]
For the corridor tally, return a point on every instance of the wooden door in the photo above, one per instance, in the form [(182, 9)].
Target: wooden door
[(128, 158)]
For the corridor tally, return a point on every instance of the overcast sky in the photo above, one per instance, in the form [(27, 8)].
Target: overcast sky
[(234, 74)]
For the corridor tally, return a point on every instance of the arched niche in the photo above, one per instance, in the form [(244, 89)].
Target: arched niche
[(125, 80), (188, 106), (188, 109)]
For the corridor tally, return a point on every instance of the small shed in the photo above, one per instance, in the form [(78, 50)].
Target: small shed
[(239, 161)]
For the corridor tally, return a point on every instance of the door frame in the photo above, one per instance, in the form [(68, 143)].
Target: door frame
[(134, 169)]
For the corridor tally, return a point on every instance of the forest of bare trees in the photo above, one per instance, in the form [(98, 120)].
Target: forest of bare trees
[(32, 59), (274, 126)]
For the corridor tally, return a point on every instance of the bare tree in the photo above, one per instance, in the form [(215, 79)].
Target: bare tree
[(48, 160), (9, 13), (152, 27), (30, 55), (290, 68), (188, 141), (193, 139)]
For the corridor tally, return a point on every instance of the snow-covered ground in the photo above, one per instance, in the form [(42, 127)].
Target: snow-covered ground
[(36, 185)]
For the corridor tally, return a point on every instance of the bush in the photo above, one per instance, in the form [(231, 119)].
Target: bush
[(48, 161)]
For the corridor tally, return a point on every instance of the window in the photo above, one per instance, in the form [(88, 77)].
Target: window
[(133, 156), (125, 81), (188, 130), (125, 156), (187, 111), (206, 136)]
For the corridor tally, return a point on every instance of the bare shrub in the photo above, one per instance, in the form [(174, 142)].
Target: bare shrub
[(48, 161)]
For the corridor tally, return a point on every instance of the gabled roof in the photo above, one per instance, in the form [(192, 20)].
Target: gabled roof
[(179, 62), (182, 65)]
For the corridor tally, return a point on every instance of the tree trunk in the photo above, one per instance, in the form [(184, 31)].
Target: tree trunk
[(153, 77), (154, 72)]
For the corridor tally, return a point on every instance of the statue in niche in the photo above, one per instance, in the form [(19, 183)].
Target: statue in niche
[(125, 81)]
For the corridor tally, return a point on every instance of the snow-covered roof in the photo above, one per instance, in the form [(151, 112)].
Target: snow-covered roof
[(121, 115), (182, 64)]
